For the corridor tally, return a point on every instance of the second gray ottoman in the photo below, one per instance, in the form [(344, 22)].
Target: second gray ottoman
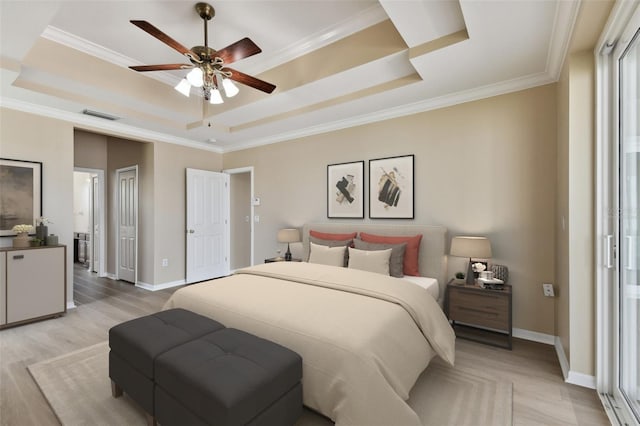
[(226, 378)]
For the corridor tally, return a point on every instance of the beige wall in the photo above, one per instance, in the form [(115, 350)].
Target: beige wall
[(171, 162), (575, 306), (34, 138), (90, 150), (481, 168), (562, 319)]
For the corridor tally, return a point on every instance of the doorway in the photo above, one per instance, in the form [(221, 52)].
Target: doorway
[(89, 219), (242, 202)]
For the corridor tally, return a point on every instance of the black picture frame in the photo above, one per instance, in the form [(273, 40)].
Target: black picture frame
[(20, 194), (391, 187), (345, 190)]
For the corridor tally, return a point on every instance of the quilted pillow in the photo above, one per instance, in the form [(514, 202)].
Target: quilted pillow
[(333, 243), (370, 260), (330, 236), (333, 256), (410, 263), (396, 260)]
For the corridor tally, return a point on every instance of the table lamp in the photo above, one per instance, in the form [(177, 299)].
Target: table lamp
[(288, 235), (478, 247)]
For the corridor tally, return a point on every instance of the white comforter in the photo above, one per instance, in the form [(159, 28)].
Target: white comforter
[(364, 338)]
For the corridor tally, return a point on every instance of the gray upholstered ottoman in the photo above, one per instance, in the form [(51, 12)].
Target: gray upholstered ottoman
[(137, 343), (228, 377)]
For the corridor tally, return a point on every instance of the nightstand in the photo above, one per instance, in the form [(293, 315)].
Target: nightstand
[(281, 259), (480, 314)]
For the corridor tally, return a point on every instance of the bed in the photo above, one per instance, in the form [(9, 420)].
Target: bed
[(364, 338)]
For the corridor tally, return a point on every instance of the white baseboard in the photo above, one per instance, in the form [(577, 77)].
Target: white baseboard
[(111, 276), (156, 287), (572, 377), (534, 336), (562, 358), (71, 305)]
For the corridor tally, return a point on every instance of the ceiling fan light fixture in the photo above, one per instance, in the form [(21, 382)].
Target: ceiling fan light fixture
[(184, 87), (230, 89), (195, 77), (215, 97)]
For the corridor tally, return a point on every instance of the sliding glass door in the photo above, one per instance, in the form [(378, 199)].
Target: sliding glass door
[(628, 294)]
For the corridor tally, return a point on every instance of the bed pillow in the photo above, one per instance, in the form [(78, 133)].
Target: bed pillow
[(333, 243), (370, 260), (396, 261), (330, 236), (325, 255), (410, 263)]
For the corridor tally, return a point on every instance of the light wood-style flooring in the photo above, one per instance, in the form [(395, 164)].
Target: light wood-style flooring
[(540, 396)]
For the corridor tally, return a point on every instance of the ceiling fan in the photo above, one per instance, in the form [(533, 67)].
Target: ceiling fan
[(208, 66)]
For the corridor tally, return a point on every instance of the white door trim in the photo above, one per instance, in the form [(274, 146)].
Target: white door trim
[(101, 217), (135, 202), (249, 170)]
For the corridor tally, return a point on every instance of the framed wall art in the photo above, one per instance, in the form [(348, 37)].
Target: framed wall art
[(20, 194), (345, 190), (391, 194)]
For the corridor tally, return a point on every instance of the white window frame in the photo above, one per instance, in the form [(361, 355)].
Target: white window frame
[(607, 167)]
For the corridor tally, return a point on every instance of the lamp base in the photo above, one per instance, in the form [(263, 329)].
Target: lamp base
[(471, 280), (287, 255)]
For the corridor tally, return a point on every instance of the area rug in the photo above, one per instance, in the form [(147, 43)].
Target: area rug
[(77, 387)]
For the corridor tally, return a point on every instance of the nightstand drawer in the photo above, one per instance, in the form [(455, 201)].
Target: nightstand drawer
[(482, 302), (482, 318)]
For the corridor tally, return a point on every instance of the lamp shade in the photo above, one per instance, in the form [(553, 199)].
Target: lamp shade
[(288, 235), (478, 247)]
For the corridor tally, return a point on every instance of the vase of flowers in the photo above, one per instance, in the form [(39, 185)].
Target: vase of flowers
[(41, 228), (22, 235)]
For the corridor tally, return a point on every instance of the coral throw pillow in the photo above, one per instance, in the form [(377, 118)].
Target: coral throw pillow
[(410, 264), (329, 236)]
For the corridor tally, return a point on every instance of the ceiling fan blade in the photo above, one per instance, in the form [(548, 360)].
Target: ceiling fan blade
[(161, 67), (147, 27), (239, 50), (250, 81)]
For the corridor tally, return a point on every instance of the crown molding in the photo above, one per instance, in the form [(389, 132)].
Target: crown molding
[(563, 25), (90, 48), (91, 123), (475, 94), (390, 113), (322, 38)]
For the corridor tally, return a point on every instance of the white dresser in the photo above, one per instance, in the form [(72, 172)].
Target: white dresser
[(33, 284)]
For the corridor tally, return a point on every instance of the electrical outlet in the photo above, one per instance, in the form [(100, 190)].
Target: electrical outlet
[(547, 289), (165, 262)]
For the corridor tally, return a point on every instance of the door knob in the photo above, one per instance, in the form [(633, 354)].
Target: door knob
[(191, 231)]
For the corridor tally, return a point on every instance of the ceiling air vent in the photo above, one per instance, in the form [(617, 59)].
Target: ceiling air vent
[(100, 115)]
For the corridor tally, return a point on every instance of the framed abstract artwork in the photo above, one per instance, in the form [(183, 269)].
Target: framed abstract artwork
[(20, 194), (391, 194), (345, 190)]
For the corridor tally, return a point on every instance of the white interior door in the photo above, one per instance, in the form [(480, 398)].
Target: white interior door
[(207, 225), (127, 223), (95, 223)]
